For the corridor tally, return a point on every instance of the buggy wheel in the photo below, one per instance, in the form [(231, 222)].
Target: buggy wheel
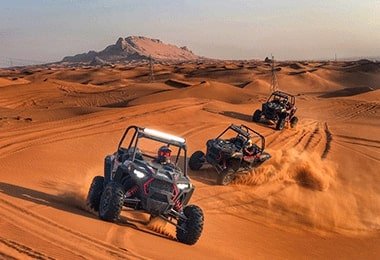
[(225, 177), (196, 160), (95, 193), (257, 116), (293, 121), (280, 123), (190, 230), (111, 202)]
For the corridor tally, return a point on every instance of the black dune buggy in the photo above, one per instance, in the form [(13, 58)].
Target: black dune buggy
[(229, 156), (280, 108), (133, 179)]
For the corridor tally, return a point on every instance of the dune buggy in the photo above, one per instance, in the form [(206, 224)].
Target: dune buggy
[(279, 108), (235, 150), (133, 178)]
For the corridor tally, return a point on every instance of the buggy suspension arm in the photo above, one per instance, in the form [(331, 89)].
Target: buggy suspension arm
[(171, 222)]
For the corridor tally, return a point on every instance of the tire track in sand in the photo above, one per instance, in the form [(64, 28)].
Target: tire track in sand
[(329, 138), (354, 111), (290, 137), (24, 250), (310, 137), (61, 236), (19, 143)]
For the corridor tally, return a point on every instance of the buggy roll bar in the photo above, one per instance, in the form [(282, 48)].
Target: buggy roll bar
[(245, 133), (141, 132), (283, 95)]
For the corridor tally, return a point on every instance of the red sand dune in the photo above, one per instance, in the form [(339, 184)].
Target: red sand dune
[(317, 197)]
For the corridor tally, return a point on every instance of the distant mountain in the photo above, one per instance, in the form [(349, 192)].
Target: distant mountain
[(136, 48), (356, 58)]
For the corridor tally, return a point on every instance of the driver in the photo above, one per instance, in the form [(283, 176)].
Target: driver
[(163, 155), (276, 99), (238, 141), (249, 151), (284, 101)]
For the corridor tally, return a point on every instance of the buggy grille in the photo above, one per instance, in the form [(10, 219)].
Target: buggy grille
[(162, 185), (270, 113), (159, 197)]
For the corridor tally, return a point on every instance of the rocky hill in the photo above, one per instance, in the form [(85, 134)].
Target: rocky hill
[(136, 48)]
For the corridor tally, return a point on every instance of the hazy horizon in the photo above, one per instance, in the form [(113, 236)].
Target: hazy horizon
[(45, 30)]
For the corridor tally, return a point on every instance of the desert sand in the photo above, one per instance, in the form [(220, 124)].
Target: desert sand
[(317, 197)]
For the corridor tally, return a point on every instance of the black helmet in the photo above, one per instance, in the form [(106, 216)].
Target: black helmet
[(239, 141)]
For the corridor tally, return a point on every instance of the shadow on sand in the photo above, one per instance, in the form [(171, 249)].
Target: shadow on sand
[(71, 205), (248, 118), (45, 199), (237, 115), (207, 175)]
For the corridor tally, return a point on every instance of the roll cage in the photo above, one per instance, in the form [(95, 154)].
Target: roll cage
[(141, 132), (246, 132), (282, 96)]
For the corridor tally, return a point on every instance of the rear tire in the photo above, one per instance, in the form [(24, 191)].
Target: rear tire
[(196, 160), (191, 227), (111, 202), (225, 177), (95, 193), (293, 122), (257, 116), (280, 123)]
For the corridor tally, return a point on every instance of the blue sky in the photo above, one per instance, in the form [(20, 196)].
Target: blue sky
[(48, 30)]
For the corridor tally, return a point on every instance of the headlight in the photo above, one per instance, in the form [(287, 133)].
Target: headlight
[(183, 186), (139, 174)]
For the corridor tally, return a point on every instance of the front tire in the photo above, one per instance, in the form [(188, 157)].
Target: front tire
[(257, 116), (111, 202), (95, 193), (191, 228), (196, 160), (280, 123), (225, 177), (293, 122)]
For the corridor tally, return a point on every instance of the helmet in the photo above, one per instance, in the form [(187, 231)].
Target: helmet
[(239, 141), (163, 154), (249, 142)]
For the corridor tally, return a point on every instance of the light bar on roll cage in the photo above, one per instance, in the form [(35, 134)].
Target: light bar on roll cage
[(162, 135)]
